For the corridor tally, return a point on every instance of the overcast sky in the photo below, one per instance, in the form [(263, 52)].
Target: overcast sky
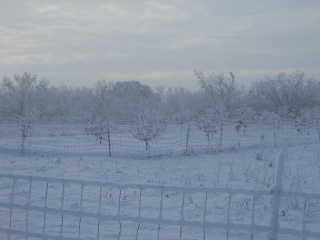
[(158, 42)]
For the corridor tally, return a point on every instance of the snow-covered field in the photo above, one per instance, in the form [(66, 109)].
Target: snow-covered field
[(224, 194)]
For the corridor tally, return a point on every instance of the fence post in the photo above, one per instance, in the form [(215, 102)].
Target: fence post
[(276, 190)]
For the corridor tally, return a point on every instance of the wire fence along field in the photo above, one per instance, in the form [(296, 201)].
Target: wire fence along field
[(53, 208), (71, 137)]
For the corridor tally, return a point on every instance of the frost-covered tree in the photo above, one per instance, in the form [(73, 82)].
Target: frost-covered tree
[(60, 104), (273, 119), (182, 118), (270, 117), (22, 92), (292, 92), (81, 101), (207, 123), (99, 127), (27, 119), (180, 109), (128, 94), (305, 119), (178, 100), (147, 125), (211, 123), (316, 117), (222, 90), (102, 98), (94, 126), (243, 117)]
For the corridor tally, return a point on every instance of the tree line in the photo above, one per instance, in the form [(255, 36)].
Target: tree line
[(285, 94)]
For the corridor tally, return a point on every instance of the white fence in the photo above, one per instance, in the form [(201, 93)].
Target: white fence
[(71, 138), (52, 208)]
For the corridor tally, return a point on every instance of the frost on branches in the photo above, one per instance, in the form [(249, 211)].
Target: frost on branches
[(211, 122), (27, 119), (146, 126), (244, 116), (98, 127)]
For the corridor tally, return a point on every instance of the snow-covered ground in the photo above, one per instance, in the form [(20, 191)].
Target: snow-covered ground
[(239, 172)]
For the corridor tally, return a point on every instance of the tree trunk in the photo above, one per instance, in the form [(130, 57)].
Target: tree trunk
[(109, 143)]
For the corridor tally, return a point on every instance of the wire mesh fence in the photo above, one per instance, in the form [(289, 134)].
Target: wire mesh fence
[(71, 137)]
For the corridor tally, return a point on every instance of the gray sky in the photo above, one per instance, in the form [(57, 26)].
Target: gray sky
[(78, 42)]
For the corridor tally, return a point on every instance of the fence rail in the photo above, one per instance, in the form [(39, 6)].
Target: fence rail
[(53, 208)]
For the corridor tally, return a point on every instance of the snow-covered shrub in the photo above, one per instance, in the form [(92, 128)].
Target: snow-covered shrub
[(147, 125)]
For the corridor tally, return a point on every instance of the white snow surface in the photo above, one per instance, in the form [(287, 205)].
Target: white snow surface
[(246, 170)]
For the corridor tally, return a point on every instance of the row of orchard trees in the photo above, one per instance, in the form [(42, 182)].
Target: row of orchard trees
[(23, 92), (284, 94), (219, 99)]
